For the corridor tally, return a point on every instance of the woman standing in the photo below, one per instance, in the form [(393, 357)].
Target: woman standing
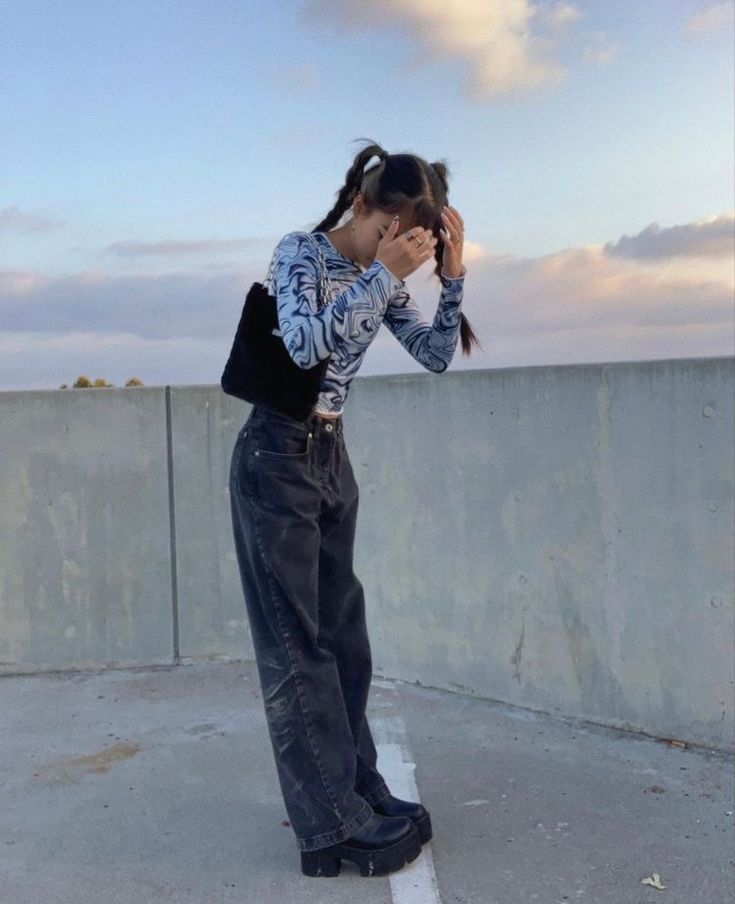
[(294, 504)]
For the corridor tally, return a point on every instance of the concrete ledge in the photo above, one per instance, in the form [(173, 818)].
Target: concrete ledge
[(85, 568), (557, 538)]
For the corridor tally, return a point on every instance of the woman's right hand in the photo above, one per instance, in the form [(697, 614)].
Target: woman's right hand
[(402, 254)]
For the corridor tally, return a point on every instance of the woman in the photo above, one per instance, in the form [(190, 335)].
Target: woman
[(294, 503)]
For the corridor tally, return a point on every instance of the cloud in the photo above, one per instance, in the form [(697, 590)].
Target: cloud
[(585, 287), (583, 304), (44, 361), (715, 17), (640, 297), (601, 50), (153, 307), (13, 219), (472, 251), (507, 44), (17, 283), (561, 15), (177, 247), (711, 237), (301, 79)]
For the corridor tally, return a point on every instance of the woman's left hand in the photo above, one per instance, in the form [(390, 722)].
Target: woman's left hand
[(452, 235)]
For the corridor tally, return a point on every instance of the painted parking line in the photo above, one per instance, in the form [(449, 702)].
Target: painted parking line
[(416, 882)]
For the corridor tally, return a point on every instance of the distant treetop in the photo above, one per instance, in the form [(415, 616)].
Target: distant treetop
[(83, 382)]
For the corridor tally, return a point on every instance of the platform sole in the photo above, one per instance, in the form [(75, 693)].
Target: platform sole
[(377, 862), (424, 828)]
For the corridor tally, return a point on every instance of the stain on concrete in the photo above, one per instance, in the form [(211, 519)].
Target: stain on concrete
[(517, 653), (72, 769)]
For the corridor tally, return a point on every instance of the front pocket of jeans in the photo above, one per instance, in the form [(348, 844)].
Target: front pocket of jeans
[(282, 445)]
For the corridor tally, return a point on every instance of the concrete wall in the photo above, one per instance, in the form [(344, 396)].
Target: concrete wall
[(559, 538), (85, 573)]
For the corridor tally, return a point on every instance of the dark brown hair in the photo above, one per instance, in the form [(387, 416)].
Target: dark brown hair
[(400, 182)]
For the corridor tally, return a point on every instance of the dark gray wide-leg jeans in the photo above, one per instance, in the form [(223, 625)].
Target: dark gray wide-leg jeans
[(294, 505)]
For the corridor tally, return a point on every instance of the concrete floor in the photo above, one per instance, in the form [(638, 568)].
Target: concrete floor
[(158, 784)]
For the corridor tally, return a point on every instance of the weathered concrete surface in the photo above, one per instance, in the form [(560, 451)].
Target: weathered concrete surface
[(559, 538), (157, 785), (85, 567), (212, 616)]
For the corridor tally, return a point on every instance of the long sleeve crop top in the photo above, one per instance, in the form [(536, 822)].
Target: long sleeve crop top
[(362, 299)]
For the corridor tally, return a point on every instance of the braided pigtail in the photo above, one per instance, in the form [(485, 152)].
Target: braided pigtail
[(353, 180), (441, 190), (439, 177)]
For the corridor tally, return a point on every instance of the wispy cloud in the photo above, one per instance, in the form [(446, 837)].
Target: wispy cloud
[(561, 14), (301, 79), (663, 292), (178, 247), (13, 219), (509, 45), (710, 237), (154, 307), (715, 17), (472, 251), (19, 283), (600, 49), (585, 304), (44, 361)]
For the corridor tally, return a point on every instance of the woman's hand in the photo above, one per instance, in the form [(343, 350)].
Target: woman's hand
[(402, 254), (453, 238)]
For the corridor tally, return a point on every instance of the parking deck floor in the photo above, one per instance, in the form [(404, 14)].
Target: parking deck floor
[(158, 784)]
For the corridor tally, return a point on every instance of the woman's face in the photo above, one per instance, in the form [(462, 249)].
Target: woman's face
[(370, 229)]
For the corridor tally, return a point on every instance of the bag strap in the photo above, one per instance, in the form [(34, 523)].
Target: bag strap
[(325, 284)]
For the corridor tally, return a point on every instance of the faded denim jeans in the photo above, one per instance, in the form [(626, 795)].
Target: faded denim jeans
[(294, 503)]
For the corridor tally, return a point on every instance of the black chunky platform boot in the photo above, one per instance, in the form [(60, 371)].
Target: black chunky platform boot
[(384, 844), (416, 812)]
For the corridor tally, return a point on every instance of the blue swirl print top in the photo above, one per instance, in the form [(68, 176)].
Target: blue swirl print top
[(361, 300)]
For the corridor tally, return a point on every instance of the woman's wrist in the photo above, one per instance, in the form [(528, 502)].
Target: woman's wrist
[(454, 275), (392, 272)]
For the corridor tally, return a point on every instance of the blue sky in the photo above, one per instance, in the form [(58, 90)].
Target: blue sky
[(154, 152)]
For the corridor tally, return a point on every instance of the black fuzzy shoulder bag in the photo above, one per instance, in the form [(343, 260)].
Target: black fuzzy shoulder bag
[(259, 367)]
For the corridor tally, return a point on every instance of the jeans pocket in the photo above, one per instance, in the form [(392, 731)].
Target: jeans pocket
[(279, 441)]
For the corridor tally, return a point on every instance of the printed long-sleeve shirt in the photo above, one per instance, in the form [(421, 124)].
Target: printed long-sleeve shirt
[(362, 299)]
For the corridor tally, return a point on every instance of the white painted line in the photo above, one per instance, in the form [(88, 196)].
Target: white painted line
[(416, 882)]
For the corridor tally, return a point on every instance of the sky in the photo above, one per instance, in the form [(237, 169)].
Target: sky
[(153, 152)]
